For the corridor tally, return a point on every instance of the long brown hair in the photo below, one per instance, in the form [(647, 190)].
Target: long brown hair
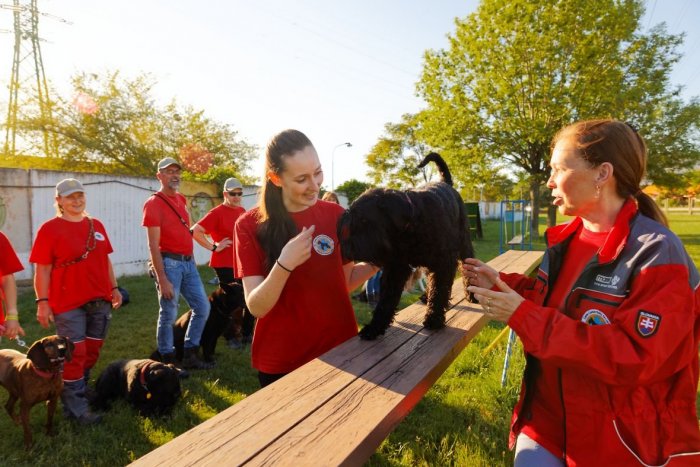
[(275, 225), (608, 140)]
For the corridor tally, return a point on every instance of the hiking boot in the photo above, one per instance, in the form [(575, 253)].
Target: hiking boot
[(191, 360), (169, 358)]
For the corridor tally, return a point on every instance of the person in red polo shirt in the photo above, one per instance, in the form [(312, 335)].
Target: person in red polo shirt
[(170, 245), (218, 225), (75, 288), (295, 279), (9, 264)]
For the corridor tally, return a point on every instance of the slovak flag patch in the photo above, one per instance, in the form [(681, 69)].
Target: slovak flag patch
[(647, 323)]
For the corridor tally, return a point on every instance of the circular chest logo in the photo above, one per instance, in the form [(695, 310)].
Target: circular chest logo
[(595, 318), (324, 245), (99, 236)]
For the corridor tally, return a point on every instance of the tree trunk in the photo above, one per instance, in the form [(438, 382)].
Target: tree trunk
[(551, 215)]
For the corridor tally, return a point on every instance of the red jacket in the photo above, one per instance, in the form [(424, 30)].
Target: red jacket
[(626, 346)]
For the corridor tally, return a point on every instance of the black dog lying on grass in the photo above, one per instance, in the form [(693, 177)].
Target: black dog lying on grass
[(226, 301), (151, 387), (400, 230)]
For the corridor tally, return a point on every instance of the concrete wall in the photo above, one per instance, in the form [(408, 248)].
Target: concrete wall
[(27, 201)]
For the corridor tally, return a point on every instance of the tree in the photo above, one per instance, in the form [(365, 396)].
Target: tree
[(393, 160), (516, 71), (115, 125), (352, 189)]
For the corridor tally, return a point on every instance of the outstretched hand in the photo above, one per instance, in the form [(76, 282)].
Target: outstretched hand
[(499, 306)]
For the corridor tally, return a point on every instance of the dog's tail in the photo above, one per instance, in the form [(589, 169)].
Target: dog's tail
[(441, 164)]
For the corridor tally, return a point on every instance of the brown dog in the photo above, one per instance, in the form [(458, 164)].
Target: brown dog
[(34, 378)]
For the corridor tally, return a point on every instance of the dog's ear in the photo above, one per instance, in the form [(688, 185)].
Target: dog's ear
[(70, 347), (37, 354)]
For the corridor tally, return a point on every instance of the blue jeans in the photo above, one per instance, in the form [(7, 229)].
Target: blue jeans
[(185, 279), (373, 282)]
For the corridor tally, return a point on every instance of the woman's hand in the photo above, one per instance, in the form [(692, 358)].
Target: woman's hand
[(116, 298), (12, 329), (499, 306), (44, 314), (298, 249), (478, 273)]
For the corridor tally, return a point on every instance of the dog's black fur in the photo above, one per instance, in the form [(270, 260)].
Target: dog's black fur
[(226, 302), (400, 230), (151, 387)]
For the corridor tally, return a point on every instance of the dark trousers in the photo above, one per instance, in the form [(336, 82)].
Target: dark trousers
[(266, 379), (225, 276)]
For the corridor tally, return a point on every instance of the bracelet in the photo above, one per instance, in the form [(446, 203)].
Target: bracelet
[(214, 246), (11, 318), (41, 300), (280, 265)]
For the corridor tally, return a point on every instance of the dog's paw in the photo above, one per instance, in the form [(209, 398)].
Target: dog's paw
[(434, 321), (370, 333)]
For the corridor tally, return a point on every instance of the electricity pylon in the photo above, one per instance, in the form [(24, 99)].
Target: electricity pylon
[(28, 85)]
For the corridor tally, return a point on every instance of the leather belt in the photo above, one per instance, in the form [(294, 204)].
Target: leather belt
[(175, 256)]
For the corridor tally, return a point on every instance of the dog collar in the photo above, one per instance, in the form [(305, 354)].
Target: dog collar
[(142, 379), (42, 373)]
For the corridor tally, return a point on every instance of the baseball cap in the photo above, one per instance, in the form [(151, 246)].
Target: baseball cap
[(167, 162), (232, 183), (68, 187)]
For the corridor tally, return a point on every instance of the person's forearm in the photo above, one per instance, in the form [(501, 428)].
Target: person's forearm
[(42, 280), (200, 236), (359, 275), (265, 294), (9, 288)]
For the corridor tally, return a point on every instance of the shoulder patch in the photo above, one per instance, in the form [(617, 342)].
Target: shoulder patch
[(647, 323), (323, 245)]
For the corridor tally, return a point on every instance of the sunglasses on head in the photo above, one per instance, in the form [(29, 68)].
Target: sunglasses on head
[(235, 193)]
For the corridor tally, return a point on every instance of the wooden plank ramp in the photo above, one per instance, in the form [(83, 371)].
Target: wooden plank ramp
[(338, 408)]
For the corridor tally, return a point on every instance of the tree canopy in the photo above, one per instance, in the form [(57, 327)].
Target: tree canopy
[(115, 124), (516, 71)]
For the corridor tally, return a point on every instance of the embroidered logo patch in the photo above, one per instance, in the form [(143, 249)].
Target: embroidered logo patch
[(647, 323), (323, 245), (99, 236), (595, 318)]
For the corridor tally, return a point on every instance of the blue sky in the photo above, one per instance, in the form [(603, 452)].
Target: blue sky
[(337, 71)]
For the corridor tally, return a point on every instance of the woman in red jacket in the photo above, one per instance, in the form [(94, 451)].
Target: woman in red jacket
[(610, 324)]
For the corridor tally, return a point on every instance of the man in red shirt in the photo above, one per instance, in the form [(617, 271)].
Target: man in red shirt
[(166, 220), (218, 224)]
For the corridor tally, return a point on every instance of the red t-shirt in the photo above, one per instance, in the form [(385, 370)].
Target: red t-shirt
[(175, 237), (313, 313), (219, 224), (9, 264), (60, 241), (546, 426)]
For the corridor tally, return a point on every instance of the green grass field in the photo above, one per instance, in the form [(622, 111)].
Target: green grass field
[(462, 420)]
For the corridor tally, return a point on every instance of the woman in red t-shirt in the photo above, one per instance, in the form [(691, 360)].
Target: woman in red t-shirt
[(287, 253), (75, 288), (9, 264)]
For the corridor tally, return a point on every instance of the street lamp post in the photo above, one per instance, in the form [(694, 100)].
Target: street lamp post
[(349, 145)]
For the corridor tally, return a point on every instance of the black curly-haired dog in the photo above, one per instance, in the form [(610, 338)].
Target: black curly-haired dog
[(400, 230), (226, 302), (151, 387)]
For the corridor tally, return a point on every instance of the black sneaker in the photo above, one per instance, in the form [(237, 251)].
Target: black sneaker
[(234, 344), (191, 360)]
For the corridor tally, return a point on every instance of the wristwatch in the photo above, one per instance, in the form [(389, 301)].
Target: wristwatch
[(214, 246)]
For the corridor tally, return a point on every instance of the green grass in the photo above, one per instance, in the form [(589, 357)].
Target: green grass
[(462, 420)]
